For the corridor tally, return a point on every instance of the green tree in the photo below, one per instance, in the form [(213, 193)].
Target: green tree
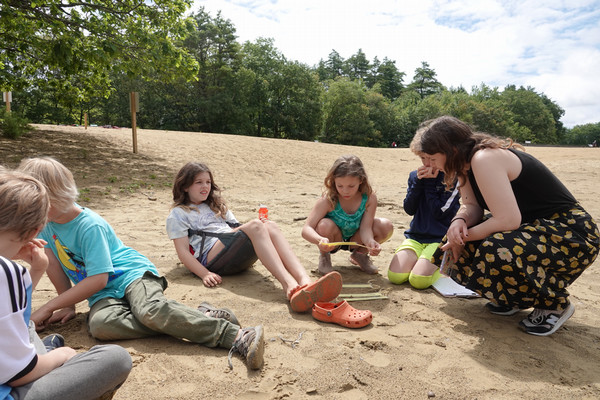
[(425, 82), (557, 113), (389, 78), (530, 111), (381, 113), (265, 61), (213, 44), (357, 66), (295, 102), (334, 66), (71, 47), (346, 115), (583, 135)]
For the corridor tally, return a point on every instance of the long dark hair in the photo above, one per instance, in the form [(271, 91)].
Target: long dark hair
[(458, 142), (185, 178)]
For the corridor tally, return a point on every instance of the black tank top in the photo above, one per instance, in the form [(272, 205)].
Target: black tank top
[(538, 191)]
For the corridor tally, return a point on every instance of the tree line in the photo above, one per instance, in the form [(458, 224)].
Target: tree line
[(192, 74)]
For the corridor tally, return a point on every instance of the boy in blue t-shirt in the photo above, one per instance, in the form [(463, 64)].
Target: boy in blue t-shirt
[(123, 288), (28, 370), (432, 208)]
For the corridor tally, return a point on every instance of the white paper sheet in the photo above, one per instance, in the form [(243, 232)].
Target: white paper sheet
[(448, 288)]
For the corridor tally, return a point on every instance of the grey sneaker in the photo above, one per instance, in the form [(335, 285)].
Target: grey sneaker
[(546, 322), (363, 261), (251, 346), (223, 313), (53, 341), (325, 263)]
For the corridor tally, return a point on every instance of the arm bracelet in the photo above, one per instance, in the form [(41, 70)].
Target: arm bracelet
[(457, 218)]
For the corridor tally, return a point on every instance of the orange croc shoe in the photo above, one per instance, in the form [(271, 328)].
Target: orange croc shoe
[(342, 314), (326, 288)]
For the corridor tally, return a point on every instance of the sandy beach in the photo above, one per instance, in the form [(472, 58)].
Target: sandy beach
[(420, 344)]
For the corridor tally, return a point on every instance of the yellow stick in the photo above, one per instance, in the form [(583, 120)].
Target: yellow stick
[(344, 243)]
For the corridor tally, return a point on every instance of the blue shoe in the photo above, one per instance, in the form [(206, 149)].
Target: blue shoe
[(53, 341)]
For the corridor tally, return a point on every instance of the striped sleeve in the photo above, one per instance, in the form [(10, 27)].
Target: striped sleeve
[(17, 354)]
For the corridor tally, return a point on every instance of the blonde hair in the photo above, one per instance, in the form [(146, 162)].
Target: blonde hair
[(415, 144), (57, 178), (24, 204), (348, 165)]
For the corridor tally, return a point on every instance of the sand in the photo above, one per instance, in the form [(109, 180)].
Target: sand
[(419, 345)]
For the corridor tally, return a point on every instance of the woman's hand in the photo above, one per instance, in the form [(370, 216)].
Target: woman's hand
[(457, 235), (211, 279)]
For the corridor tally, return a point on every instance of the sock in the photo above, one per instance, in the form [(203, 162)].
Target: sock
[(423, 281), (398, 277)]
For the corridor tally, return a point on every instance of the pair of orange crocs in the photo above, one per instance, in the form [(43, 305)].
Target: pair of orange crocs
[(342, 314)]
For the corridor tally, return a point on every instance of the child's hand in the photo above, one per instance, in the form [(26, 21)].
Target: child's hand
[(374, 247), (424, 172), (33, 253), (42, 317), (211, 279), (324, 245)]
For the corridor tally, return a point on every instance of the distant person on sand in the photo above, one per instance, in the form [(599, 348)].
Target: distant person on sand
[(346, 213), (123, 288), (432, 208), (537, 239), (211, 242)]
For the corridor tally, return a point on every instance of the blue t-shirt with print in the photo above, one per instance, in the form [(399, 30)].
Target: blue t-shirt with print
[(87, 246)]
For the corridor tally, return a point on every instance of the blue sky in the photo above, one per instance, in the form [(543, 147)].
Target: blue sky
[(553, 46)]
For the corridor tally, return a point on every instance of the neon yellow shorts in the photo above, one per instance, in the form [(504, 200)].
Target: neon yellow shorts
[(422, 250)]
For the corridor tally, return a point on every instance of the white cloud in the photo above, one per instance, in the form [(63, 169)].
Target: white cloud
[(553, 46)]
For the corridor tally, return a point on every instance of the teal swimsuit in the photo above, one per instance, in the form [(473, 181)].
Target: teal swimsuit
[(348, 224)]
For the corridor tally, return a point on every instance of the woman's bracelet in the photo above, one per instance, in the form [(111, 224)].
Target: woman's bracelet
[(457, 218)]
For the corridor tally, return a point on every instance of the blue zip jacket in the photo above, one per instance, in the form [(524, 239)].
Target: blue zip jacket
[(431, 206)]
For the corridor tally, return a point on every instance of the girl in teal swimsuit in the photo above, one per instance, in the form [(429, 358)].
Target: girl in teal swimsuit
[(346, 213)]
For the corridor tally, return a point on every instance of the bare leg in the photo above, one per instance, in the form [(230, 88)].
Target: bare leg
[(403, 261), (424, 267), (286, 254), (382, 232), (268, 255), (327, 228), (382, 229)]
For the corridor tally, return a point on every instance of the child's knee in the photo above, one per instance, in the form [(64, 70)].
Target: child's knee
[(423, 281), (384, 229), (326, 227), (254, 226), (398, 277)]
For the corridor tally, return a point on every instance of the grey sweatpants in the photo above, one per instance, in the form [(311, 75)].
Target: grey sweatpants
[(89, 375), (145, 311)]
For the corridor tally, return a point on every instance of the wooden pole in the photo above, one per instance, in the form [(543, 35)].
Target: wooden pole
[(85, 120), (7, 96), (133, 121)]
